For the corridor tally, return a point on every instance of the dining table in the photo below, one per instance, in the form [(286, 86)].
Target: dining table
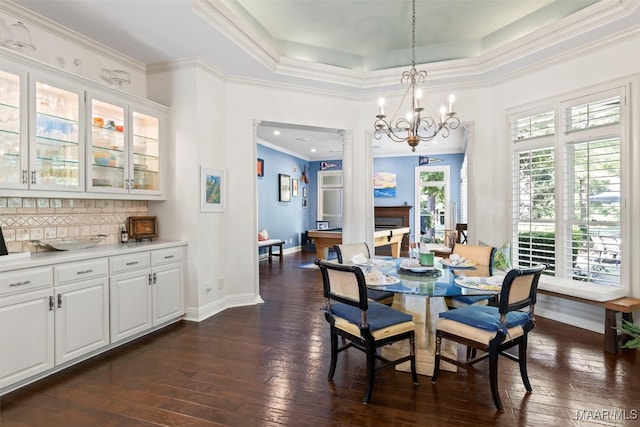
[(421, 292)]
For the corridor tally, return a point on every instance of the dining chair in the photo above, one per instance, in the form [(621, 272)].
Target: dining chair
[(483, 257), (346, 251), (461, 228), (493, 330), (365, 325)]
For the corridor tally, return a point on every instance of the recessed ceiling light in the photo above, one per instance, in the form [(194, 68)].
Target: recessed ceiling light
[(313, 150), (276, 132)]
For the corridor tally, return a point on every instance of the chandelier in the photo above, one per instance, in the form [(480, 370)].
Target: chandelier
[(421, 123)]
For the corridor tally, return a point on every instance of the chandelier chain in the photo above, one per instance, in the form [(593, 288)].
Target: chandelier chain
[(413, 35)]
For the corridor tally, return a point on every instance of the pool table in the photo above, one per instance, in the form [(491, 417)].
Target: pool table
[(326, 239)]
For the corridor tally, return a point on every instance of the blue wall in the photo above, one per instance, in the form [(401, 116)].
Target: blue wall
[(287, 220), (404, 167), (283, 220)]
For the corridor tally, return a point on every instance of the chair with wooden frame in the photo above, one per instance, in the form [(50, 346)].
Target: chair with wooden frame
[(346, 251), (483, 257), (461, 228), (365, 324), (494, 329)]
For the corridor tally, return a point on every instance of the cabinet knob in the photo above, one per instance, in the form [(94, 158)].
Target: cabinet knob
[(25, 176), (33, 177), (59, 300)]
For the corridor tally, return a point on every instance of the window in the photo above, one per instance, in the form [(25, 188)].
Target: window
[(567, 187), (330, 198)]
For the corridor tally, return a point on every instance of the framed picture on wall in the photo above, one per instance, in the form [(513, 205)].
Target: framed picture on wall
[(260, 167), (304, 192), (284, 192), (212, 193), (294, 187), (304, 203)]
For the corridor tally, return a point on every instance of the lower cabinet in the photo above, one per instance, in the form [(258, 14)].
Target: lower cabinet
[(145, 291), (27, 331), (50, 316)]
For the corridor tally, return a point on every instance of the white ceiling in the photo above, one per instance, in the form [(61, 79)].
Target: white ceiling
[(352, 46)]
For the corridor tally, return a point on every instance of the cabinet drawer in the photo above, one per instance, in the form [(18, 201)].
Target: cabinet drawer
[(80, 270), (131, 262), (166, 255), (25, 280)]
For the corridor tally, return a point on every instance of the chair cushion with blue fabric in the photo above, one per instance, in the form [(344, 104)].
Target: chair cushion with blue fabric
[(494, 329)]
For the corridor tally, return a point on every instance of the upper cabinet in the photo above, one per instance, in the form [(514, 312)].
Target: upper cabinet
[(55, 130), (124, 149), (13, 130), (62, 133)]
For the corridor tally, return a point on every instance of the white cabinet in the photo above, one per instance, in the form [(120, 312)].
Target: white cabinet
[(13, 129), (124, 143), (55, 135), (60, 132), (130, 295), (41, 132), (146, 291), (167, 284), (26, 324), (82, 308), (57, 313)]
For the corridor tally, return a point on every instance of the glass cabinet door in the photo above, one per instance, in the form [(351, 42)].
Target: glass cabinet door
[(145, 151), (55, 149), (107, 155), (13, 164)]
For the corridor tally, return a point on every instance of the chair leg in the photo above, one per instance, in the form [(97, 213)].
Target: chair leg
[(471, 353), (371, 371), (493, 377), (522, 360), (334, 352), (436, 363), (412, 349)]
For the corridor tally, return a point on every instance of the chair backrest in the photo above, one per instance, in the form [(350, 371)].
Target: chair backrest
[(483, 255), (343, 283), (346, 251), (461, 228), (519, 289)]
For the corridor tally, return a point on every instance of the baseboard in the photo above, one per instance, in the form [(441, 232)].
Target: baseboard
[(198, 314)]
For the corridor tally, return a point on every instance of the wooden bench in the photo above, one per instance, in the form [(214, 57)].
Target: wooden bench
[(626, 306), (270, 244)]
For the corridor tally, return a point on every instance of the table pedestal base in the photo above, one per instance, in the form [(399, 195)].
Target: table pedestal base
[(425, 313)]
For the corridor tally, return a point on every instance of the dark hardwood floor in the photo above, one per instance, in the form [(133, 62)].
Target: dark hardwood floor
[(266, 365)]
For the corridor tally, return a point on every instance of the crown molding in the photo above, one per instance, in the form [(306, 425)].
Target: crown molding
[(71, 36)]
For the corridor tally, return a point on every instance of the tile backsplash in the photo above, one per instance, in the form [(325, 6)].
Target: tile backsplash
[(25, 219)]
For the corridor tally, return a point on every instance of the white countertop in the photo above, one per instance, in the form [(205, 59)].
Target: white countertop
[(44, 258)]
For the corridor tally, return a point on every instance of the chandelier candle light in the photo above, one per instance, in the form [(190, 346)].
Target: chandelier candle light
[(420, 124)]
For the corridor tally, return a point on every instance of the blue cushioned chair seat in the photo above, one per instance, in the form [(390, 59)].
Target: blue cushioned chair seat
[(485, 317), (471, 299), (379, 316)]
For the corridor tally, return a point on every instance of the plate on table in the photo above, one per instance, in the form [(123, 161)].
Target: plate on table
[(463, 264), (414, 265), (493, 283), (373, 280)]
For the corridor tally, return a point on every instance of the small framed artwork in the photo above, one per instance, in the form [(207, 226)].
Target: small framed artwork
[(294, 187), (284, 193), (260, 167), (212, 192), (304, 192), (304, 203), (322, 225)]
